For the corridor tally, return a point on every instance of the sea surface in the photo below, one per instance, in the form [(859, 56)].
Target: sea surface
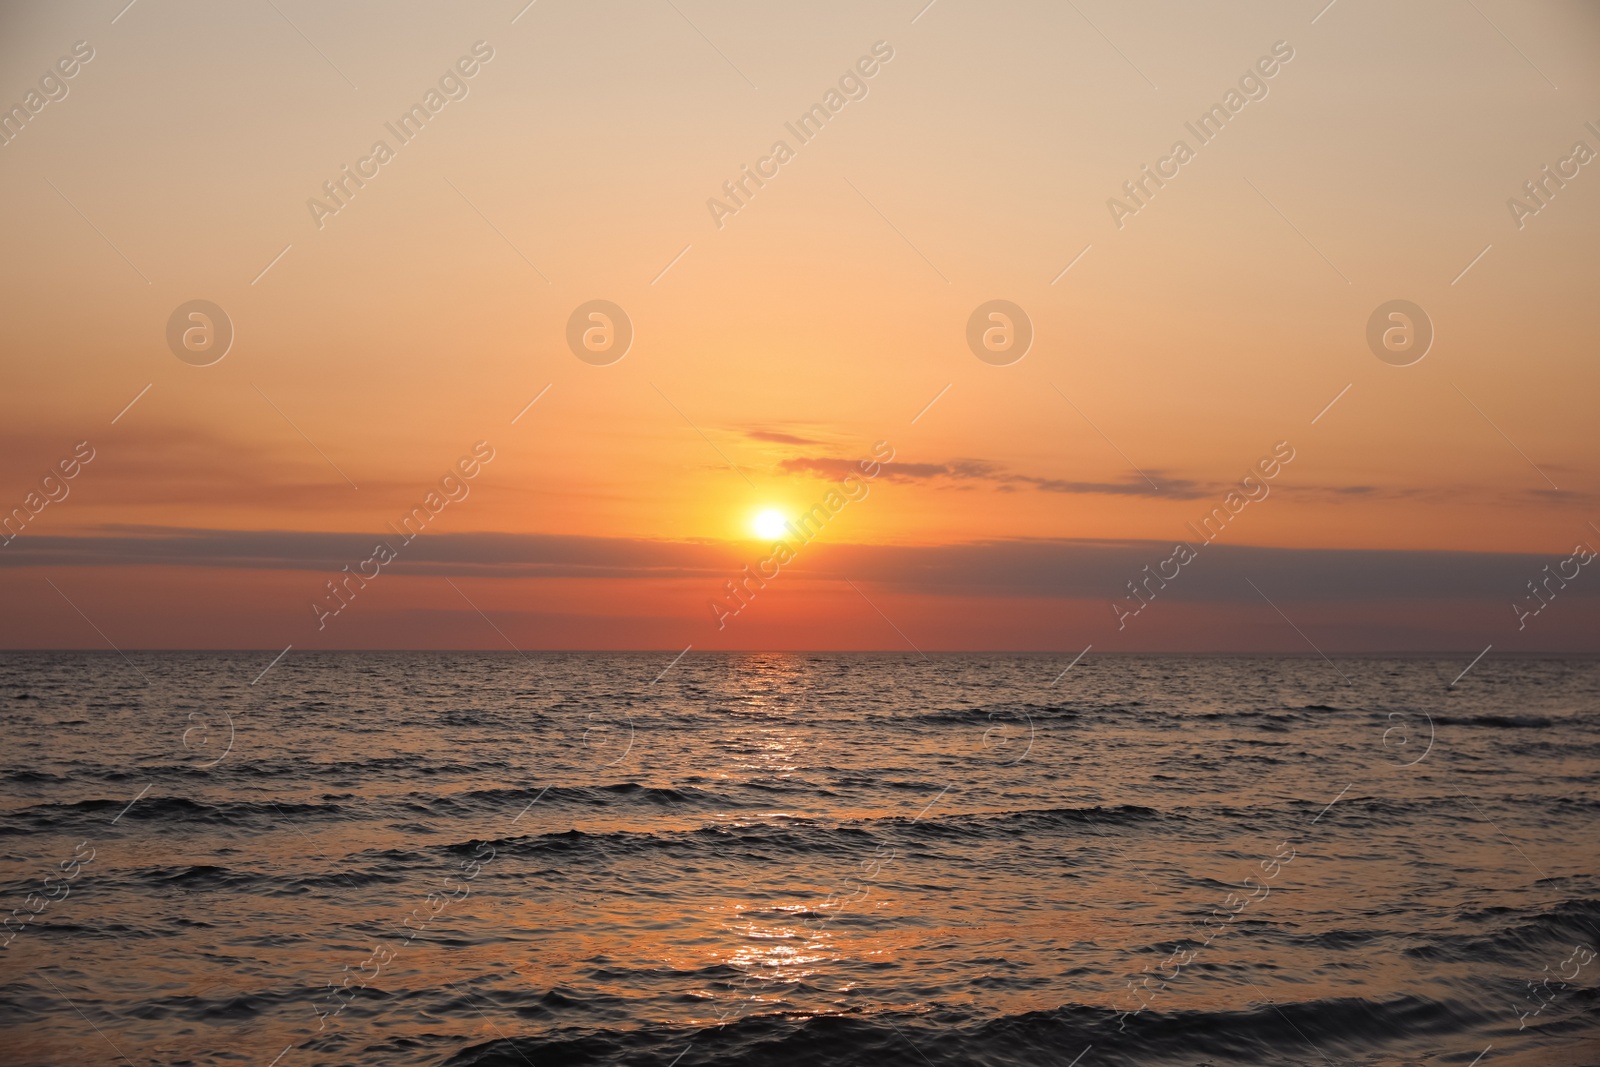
[(552, 859)]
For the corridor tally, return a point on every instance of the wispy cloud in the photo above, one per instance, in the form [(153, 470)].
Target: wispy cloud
[(975, 473), (969, 473), (778, 437)]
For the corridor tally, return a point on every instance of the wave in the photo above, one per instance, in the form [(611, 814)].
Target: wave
[(166, 809), (1498, 722), (1028, 819), (793, 837), (506, 797), (1265, 1034)]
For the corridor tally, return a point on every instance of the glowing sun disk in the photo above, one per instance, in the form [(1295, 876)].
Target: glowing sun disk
[(769, 524)]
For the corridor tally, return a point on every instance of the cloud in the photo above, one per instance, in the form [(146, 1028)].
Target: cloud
[(464, 554), (827, 467), (778, 438), (964, 473), (147, 469), (1167, 487), (1046, 568), (971, 473)]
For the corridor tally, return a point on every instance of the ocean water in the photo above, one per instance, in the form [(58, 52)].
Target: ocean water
[(482, 859)]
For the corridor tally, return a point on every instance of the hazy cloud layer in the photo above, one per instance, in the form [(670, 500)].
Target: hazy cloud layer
[(1060, 568)]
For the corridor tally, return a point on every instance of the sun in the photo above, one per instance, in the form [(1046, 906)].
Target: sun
[(769, 524)]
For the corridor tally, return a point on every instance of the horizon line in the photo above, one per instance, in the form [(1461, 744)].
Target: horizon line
[(1369, 653)]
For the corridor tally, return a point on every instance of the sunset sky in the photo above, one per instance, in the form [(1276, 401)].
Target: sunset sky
[(774, 346)]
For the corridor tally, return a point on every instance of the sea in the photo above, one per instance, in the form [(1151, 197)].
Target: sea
[(552, 859)]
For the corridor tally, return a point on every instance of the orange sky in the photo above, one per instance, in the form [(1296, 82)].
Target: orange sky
[(576, 163)]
